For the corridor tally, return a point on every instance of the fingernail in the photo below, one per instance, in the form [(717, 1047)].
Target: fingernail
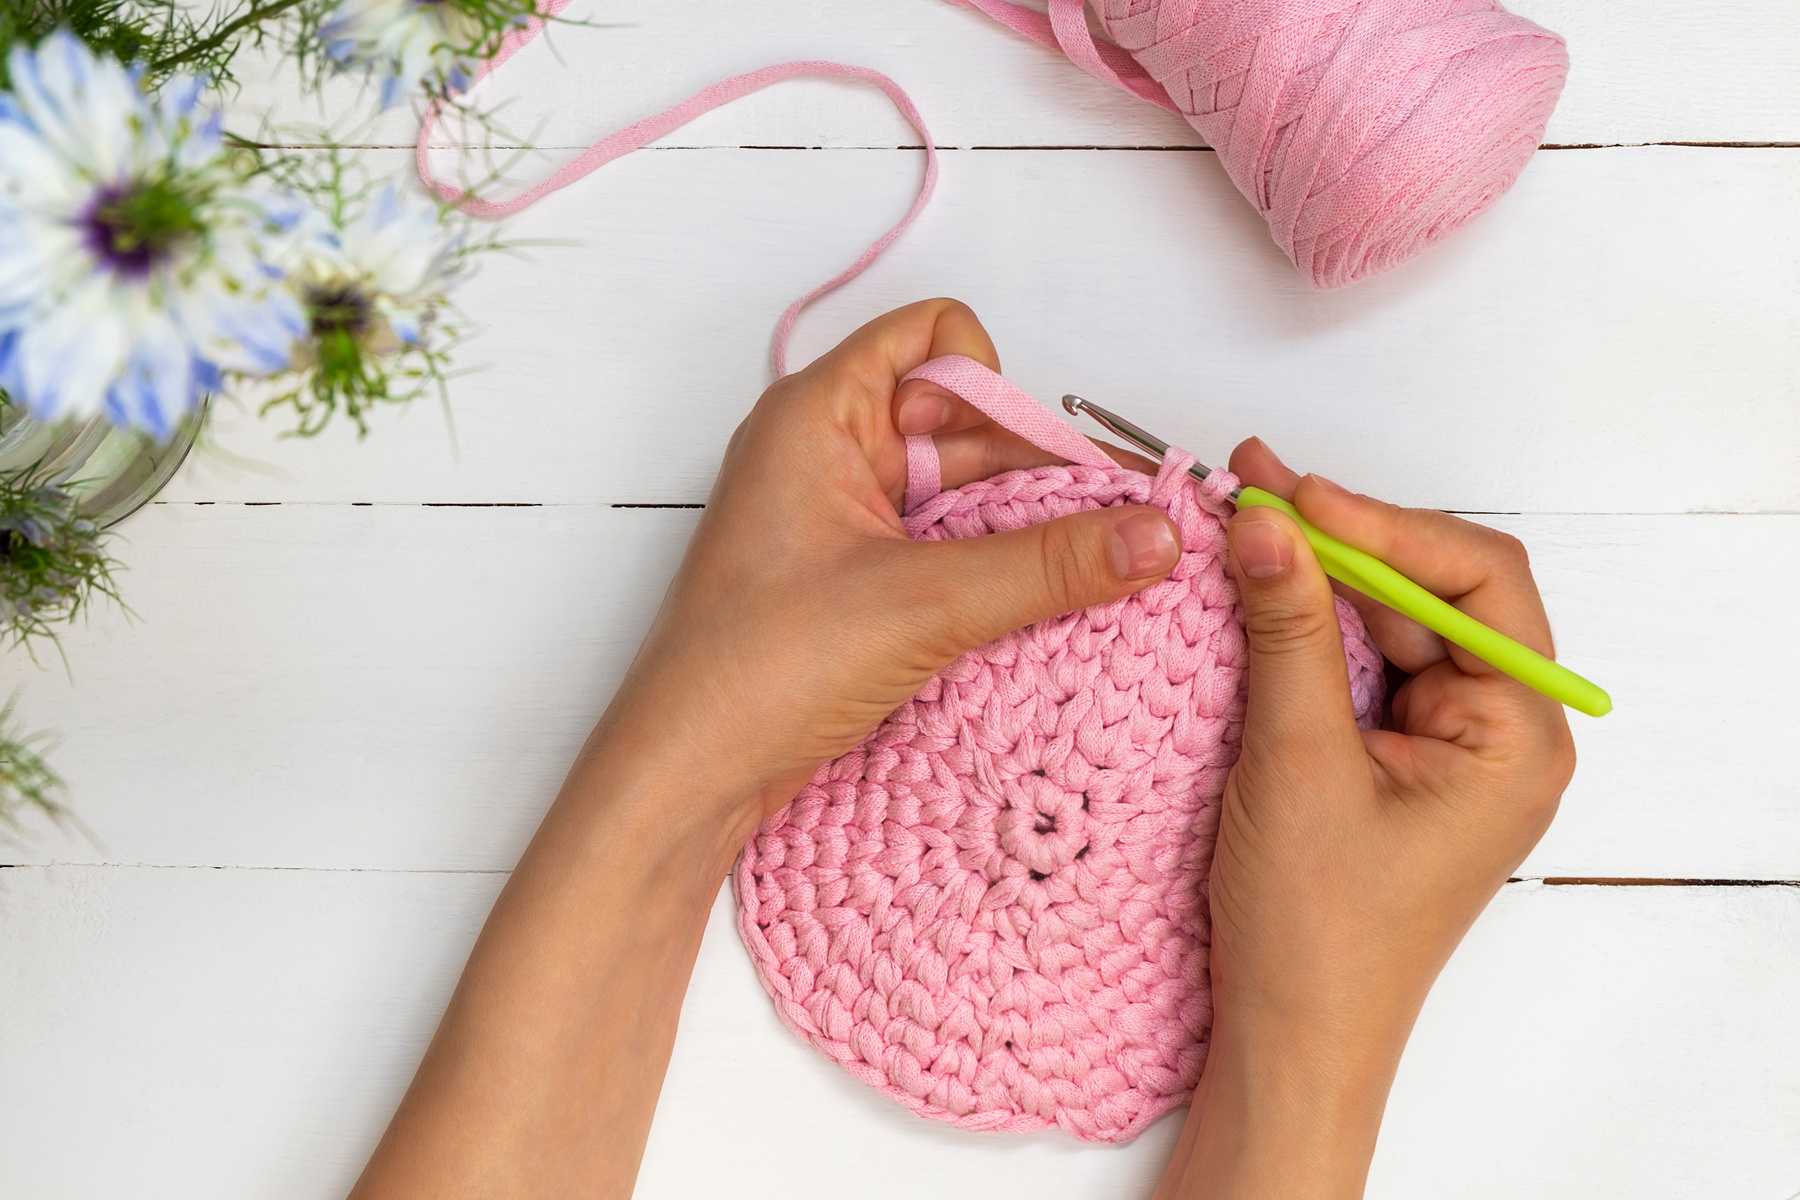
[(1270, 449), (1142, 546), (1330, 485), (1263, 549), (923, 412)]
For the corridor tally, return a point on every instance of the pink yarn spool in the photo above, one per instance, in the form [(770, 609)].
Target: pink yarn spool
[(994, 909), (1362, 130)]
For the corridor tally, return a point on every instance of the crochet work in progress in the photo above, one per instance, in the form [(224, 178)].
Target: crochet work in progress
[(994, 910), (1362, 130)]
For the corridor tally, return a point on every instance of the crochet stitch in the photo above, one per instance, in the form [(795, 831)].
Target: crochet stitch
[(994, 909)]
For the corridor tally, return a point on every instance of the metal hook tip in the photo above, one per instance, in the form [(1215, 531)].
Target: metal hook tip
[(1072, 404)]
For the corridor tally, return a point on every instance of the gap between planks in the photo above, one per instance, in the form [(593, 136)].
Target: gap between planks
[(1619, 881)]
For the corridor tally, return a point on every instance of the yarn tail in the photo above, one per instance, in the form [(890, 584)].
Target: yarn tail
[(634, 137)]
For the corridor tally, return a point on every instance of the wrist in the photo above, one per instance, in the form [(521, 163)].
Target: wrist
[(1284, 1109), (672, 800)]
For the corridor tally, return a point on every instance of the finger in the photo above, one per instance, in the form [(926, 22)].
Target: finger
[(1255, 464), (974, 590), (1482, 571), (1405, 643), (863, 372), (970, 444), (987, 450), (1299, 698), (848, 393)]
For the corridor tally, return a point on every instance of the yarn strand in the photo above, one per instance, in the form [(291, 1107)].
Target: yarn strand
[(634, 137)]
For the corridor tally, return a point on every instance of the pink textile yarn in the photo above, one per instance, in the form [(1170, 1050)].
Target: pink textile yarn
[(994, 909), (1362, 130)]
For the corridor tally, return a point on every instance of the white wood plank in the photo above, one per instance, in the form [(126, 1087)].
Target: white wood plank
[(201, 1033), (404, 687), (1615, 336), (1647, 72)]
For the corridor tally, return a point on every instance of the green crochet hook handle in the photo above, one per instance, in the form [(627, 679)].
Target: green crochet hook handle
[(1378, 581)]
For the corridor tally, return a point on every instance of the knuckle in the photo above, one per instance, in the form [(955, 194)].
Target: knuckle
[(1539, 808), (1071, 577), (1389, 511), (1543, 775), (740, 436), (993, 458), (1562, 757), (1511, 550), (1280, 629)]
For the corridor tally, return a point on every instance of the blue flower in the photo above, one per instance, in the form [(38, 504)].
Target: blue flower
[(383, 275), (406, 44), (136, 266)]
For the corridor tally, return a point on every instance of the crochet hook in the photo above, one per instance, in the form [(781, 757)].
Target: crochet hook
[(1380, 582)]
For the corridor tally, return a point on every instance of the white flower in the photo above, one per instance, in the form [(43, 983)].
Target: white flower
[(406, 43), (133, 264), (381, 277)]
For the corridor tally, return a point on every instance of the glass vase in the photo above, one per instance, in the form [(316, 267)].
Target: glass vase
[(111, 472)]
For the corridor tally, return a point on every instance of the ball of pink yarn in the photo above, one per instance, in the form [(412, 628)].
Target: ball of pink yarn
[(994, 909), (1362, 130)]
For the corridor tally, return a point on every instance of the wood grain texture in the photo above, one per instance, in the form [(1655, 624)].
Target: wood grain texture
[(1615, 336), (334, 727), (1654, 71), (229, 1033), (403, 687)]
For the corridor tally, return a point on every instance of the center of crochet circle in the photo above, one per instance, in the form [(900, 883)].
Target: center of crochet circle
[(994, 908), (1043, 827)]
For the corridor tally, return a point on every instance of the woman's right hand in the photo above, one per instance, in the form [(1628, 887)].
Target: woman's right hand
[(1350, 863)]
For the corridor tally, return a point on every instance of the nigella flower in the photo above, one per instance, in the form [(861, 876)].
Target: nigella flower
[(378, 279), (411, 43), (373, 288), (133, 264)]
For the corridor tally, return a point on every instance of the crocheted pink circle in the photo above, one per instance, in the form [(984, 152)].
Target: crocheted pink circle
[(994, 909)]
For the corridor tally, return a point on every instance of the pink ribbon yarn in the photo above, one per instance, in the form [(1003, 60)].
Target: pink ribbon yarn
[(1363, 131), (644, 132), (994, 909)]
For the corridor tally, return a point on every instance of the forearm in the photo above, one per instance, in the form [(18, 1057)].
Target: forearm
[(1284, 1114), (544, 1073)]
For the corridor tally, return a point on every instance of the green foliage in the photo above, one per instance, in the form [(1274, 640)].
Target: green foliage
[(26, 780), (163, 37), (53, 560)]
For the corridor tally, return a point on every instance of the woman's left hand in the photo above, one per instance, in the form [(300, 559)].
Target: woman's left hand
[(802, 614)]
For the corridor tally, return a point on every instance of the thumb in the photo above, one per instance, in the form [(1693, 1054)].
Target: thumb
[(985, 587), (1299, 684)]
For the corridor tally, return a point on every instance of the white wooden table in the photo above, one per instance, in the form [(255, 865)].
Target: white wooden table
[(359, 670)]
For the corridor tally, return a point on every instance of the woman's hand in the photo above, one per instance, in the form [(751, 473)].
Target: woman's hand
[(802, 615), (1349, 864)]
